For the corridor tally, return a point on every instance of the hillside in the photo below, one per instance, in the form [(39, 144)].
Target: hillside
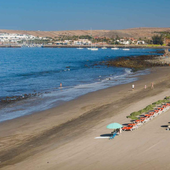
[(134, 32)]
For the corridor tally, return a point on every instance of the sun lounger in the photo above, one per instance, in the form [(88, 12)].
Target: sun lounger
[(164, 108), (113, 135), (138, 123), (147, 119), (130, 127), (158, 111), (168, 128), (133, 125), (167, 105), (127, 128)]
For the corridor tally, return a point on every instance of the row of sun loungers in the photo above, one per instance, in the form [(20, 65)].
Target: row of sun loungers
[(113, 135), (144, 119)]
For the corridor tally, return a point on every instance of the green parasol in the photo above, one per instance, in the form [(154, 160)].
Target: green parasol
[(114, 126)]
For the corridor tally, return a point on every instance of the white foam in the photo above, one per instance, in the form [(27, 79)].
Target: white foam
[(48, 100), (128, 71)]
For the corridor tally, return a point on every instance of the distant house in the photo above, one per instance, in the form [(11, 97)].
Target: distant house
[(123, 41), (7, 37), (59, 42), (82, 42), (140, 42), (67, 42)]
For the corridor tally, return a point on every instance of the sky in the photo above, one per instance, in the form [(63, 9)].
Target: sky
[(55, 15)]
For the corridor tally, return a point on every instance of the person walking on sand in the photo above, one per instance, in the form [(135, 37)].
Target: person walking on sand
[(145, 86), (152, 86), (133, 86)]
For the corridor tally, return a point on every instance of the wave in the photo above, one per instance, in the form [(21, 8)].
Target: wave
[(128, 70), (60, 95)]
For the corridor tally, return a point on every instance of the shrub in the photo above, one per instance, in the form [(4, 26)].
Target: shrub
[(157, 39), (134, 115)]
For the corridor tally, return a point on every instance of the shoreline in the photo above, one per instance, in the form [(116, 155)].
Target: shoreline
[(8, 100), (16, 100), (108, 46), (88, 46), (32, 133)]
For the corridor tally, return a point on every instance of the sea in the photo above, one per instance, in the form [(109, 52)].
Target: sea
[(30, 78)]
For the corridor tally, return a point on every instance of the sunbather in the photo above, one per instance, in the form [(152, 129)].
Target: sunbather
[(168, 128)]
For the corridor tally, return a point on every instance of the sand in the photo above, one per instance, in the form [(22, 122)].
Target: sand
[(64, 137)]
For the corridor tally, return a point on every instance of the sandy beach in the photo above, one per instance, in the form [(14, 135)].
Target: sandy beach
[(63, 138)]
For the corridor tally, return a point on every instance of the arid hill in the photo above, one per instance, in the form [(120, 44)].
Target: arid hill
[(134, 32)]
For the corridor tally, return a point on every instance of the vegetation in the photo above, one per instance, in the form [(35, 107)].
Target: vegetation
[(148, 108), (85, 37), (155, 45), (36, 41), (165, 34), (156, 39), (148, 41)]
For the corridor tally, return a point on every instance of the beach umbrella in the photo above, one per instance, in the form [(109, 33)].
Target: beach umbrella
[(114, 126)]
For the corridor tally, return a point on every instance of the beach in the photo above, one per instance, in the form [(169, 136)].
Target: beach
[(64, 137)]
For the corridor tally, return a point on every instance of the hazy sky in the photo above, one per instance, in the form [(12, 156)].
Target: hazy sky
[(50, 15)]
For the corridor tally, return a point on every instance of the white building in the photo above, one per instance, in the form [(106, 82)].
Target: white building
[(82, 42), (6, 37), (140, 42)]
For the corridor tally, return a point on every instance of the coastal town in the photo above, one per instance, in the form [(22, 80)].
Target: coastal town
[(28, 40), (84, 85)]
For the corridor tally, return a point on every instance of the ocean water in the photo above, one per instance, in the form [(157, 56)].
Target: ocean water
[(39, 71)]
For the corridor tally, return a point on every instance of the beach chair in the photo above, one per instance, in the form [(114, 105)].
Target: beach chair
[(164, 108), (138, 123), (133, 125), (160, 109), (125, 128), (130, 127), (167, 105), (142, 119), (113, 135), (147, 119), (168, 128)]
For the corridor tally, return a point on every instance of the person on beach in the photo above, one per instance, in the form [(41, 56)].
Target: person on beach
[(152, 86), (145, 86), (133, 86)]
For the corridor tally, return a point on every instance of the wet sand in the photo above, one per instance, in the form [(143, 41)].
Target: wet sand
[(64, 137)]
